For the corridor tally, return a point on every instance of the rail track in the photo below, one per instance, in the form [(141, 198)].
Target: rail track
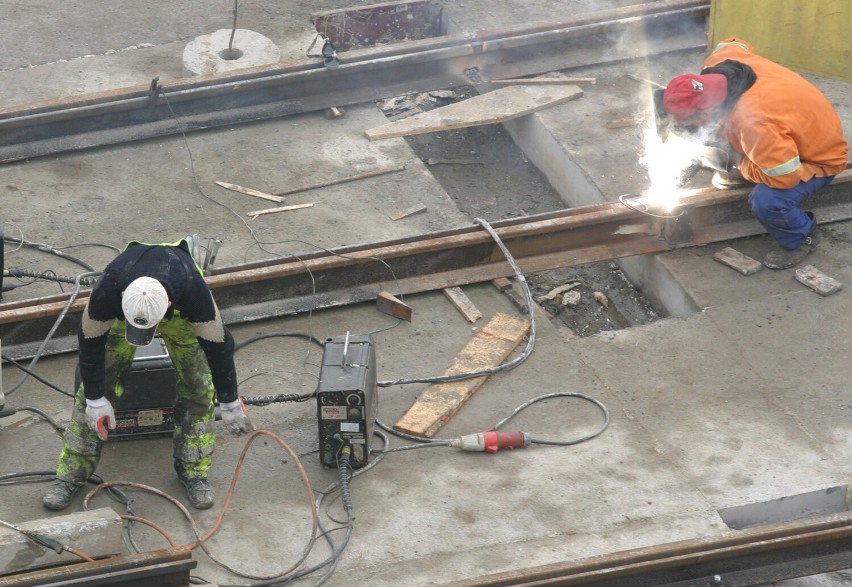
[(169, 107), (433, 261)]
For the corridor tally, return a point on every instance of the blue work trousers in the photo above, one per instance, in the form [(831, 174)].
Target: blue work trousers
[(780, 211)]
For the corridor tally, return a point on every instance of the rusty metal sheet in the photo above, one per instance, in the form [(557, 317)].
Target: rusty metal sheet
[(380, 23)]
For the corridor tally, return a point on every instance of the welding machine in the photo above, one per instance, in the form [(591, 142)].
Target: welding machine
[(147, 407), (347, 398)]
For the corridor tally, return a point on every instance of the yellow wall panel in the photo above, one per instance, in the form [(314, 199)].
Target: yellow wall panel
[(813, 36)]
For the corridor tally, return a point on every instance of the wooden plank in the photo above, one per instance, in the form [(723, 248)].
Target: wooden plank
[(249, 191), (409, 212), (738, 261), (818, 281), (502, 283), (488, 348), (498, 106), (338, 181), (462, 303), (389, 304), (257, 213)]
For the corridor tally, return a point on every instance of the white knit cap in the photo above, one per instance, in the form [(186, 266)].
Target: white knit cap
[(144, 303)]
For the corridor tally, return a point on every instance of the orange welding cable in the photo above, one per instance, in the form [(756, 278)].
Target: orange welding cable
[(305, 480), (82, 555), (229, 497)]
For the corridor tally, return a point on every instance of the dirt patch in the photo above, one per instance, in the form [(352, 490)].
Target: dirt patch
[(489, 177)]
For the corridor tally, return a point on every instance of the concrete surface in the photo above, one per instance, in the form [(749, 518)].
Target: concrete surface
[(740, 397)]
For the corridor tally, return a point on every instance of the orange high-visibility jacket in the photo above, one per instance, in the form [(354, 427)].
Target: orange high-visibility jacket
[(784, 126)]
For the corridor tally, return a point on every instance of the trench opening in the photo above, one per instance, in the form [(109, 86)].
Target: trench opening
[(497, 171), (489, 176)]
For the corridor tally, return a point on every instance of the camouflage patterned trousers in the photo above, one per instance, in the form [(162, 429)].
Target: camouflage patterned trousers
[(194, 436)]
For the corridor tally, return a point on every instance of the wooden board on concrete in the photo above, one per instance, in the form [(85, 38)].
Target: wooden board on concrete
[(488, 348), (498, 106), (738, 261), (388, 303), (462, 303), (818, 281)]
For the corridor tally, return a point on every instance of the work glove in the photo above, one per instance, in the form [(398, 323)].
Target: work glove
[(99, 416), (721, 159), (235, 416)]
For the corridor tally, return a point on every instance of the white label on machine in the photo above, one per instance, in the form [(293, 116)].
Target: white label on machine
[(150, 418), (349, 427), (332, 412)]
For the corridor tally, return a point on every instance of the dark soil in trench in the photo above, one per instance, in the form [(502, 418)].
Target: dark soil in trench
[(489, 177)]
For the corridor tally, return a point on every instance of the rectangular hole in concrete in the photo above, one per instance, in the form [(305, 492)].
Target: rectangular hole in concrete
[(380, 23), (785, 509)]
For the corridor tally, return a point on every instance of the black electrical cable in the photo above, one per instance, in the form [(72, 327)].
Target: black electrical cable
[(34, 376), (45, 276), (310, 337), (11, 411), (446, 442), (49, 249), (47, 476), (519, 276), (281, 397), (77, 287)]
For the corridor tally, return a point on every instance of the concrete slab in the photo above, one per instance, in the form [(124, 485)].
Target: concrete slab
[(741, 402)]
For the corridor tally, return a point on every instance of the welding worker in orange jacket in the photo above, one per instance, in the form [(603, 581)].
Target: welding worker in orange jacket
[(781, 134)]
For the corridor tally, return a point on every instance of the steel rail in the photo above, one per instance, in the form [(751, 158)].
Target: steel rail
[(355, 274), (264, 92), (169, 567), (757, 556)]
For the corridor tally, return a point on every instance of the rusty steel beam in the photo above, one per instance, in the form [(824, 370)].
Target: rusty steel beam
[(169, 567), (758, 556), (356, 274), (258, 93)]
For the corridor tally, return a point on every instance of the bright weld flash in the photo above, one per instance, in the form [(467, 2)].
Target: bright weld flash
[(666, 163)]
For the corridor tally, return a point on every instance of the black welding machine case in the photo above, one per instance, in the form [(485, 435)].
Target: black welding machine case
[(347, 398), (147, 406)]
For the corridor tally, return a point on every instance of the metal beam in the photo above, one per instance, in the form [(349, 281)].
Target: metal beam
[(168, 567), (264, 92), (758, 556), (355, 274)]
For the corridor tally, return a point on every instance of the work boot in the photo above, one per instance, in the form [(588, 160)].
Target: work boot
[(784, 259), (199, 492), (60, 494)]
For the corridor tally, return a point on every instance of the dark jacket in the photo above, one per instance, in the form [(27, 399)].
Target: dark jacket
[(190, 298)]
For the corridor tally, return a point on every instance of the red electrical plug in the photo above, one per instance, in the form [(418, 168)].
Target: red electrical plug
[(493, 441)]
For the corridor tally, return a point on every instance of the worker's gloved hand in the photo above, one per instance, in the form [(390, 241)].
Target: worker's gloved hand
[(235, 416), (716, 158), (99, 416)]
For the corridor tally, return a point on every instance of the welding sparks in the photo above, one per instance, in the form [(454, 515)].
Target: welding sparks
[(667, 161)]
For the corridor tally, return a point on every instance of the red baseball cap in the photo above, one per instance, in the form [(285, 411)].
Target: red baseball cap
[(687, 93)]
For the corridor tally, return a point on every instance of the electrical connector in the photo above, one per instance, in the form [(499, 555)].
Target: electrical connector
[(492, 441)]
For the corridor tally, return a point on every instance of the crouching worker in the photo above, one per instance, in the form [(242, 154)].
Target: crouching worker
[(145, 289), (782, 134)]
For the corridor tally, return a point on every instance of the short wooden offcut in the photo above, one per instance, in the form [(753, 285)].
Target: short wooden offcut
[(488, 348)]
